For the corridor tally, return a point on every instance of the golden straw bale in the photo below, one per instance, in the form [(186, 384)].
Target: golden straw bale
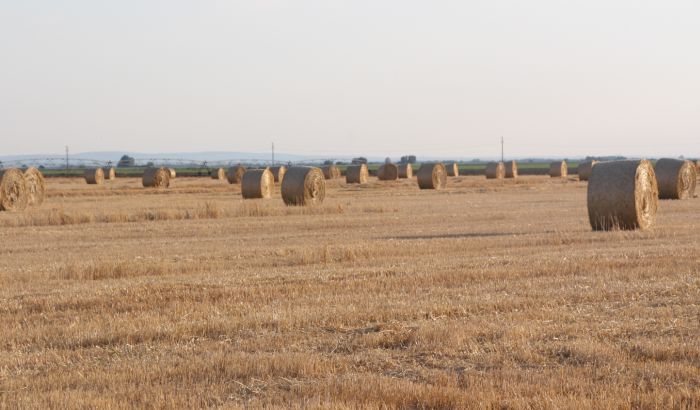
[(257, 183), (36, 186), (676, 178), (452, 169), (235, 174), (511, 169), (13, 190), (303, 186), (388, 172), (94, 176), (558, 169), (357, 174), (584, 170), (495, 170), (405, 171), (432, 176), (156, 178)]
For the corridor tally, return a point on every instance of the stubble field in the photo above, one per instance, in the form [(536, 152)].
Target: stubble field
[(489, 294)]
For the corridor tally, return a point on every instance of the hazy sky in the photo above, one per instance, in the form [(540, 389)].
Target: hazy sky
[(553, 77)]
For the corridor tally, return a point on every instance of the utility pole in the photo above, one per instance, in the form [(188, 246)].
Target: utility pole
[(66, 160), (273, 154), (502, 149)]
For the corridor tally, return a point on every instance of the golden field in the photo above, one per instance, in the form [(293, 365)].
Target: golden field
[(489, 294)]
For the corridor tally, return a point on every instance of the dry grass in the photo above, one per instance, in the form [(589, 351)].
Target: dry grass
[(385, 296)]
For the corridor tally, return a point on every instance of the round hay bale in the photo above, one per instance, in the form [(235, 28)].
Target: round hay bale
[(357, 174), (94, 176), (676, 178), (584, 170), (218, 174), (257, 183), (303, 186), (495, 170), (278, 173), (622, 195), (558, 169), (13, 190), (432, 176), (36, 186), (405, 171), (235, 174), (452, 169), (331, 172), (156, 178), (173, 173), (388, 172), (110, 173), (511, 169)]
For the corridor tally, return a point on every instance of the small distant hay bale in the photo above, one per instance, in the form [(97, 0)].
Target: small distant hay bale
[(235, 174), (257, 183), (405, 171), (36, 186), (303, 186), (110, 173), (278, 173), (452, 169), (173, 173), (558, 169), (622, 195), (388, 172), (94, 176), (584, 170), (676, 178), (156, 178), (357, 174), (511, 169), (331, 172), (495, 170), (217, 173), (13, 190), (432, 176)]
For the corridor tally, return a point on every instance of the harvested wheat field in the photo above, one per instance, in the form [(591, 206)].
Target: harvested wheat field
[(383, 296)]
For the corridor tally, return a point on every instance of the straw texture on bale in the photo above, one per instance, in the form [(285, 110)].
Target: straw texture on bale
[(13, 190), (388, 172), (36, 186), (511, 169), (452, 170), (622, 195), (558, 169), (110, 173), (94, 176), (676, 178), (156, 178), (217, 173), (495, 170), (257, 183), (173, 173), (303, 186), (278, 173), (235, 174), (331, 172), (357, 174), (405, 171), (584, 170), (432, 176)]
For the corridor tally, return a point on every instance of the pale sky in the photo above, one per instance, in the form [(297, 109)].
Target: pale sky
[(438, 78)]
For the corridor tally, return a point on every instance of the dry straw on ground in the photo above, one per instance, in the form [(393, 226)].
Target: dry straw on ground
[(278, 173), (173, 173), (622, 195), (331, 172), (94, 176), (432, 176), (405, 171), (303, 186), (388, 172), (676, 178), (452, 169), (13, 190), (257, 183), (357, 174), (558, 169), (110, 173), (511, 169), (495, 170), (156, 178), (584, 170), (36, 186), (218, 174), (235, 174)]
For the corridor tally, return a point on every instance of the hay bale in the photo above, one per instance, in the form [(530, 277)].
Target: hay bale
[(357, 174), (303, 186), (94, 176), (257, 183), (676, 178), (173, 173), (558, 169), (331, 172), (110, 173), (156, 178), (13, 190), (584, 170), (217, 173), (511, 169), (452, 169), (278, 173), (36, 186), (432, 176), (495, 170), (405, 171), (388, 172), (622, 195), (235, 174)]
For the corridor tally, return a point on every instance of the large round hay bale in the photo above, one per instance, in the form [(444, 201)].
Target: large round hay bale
[(257, 183), (36, 186), (511, 169), (13, 190), (495, 170), (156, 178), (432, 176), (303, 186), (173, 173), (278, 173), (676, 178), (110, 173), (584, 170), (558, 169), (217, 173), (357, 174), (331, 172), (94, 176), (388, 172), (452, 169), (405, 171), (622, 195), (235, 174)]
